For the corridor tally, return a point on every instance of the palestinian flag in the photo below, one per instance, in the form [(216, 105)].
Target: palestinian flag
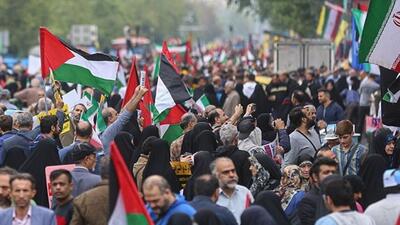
[(132, 83), (126, 205), (144, 105), (100, 123), (76, 66), (169, 124), (203, 102), (170, 89), (380, 37), (120, 82)]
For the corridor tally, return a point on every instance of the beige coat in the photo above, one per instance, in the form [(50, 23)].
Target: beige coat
[(138, 169), (91, 207)]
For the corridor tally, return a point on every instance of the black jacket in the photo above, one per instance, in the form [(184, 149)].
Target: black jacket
[(311, 207)]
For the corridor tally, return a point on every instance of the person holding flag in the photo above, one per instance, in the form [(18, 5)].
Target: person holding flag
[(116, 125)]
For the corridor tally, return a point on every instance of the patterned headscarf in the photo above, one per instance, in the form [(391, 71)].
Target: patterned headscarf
[(290, 184)]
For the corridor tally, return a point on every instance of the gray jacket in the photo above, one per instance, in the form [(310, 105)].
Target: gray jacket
[(83, 180), (111, 131)]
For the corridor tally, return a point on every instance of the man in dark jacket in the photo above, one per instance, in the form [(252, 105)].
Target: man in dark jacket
[(312, 206), (206, 189), (6, 126), (229, 134), (23, 138)]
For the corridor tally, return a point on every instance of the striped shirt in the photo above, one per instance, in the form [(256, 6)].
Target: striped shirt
[(344, 156)]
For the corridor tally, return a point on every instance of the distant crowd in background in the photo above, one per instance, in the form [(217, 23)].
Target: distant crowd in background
[(269, 148)]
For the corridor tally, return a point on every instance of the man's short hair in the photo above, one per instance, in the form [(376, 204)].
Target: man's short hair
[(156, 181), (228, 133), (325, 91), (8, 171), (82, 150), (84, 131), (213, 164), (24, 176), (57, 173), (340, 191), (24, 119), (295, 116), (344, 127), (186, 119), (315, 168), (209, 109), (106, 114), (6, 123), (47, 122), (205, 185), (41, 104), (212, 116)]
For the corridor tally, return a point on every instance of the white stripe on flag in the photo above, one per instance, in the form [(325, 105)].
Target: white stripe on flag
[(102, 69), (163, 99), (118, 216), (387, 48), (330, 25)]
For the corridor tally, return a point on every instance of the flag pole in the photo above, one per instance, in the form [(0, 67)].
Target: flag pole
[(45, 97)]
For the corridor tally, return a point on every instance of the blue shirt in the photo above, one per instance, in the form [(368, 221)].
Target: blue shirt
[(180, 205), (344, 156), (331, 114)]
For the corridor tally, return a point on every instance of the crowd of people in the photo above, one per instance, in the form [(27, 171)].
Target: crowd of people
[(259, 154)]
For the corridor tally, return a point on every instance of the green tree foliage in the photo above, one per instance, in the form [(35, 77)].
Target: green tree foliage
[(157, 19), (300, 16)]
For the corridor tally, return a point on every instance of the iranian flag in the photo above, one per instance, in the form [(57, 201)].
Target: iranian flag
[(76, 66), (329, 21), (381, 35), (126, 205)]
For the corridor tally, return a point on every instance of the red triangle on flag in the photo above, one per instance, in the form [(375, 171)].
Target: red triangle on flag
[(132, 83), (53, 52), (133, 203), (147, 101), (174, 115), (168, 56)]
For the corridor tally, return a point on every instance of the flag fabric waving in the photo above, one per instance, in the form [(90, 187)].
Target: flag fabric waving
[(203, 102), (170, 128), (76, 66), (390, 89), (170, 89), (381, 35), (127, 208), (144, 105), (132, 83)]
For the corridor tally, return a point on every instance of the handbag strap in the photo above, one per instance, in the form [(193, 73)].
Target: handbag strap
[(316, 150), (353, 151)]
